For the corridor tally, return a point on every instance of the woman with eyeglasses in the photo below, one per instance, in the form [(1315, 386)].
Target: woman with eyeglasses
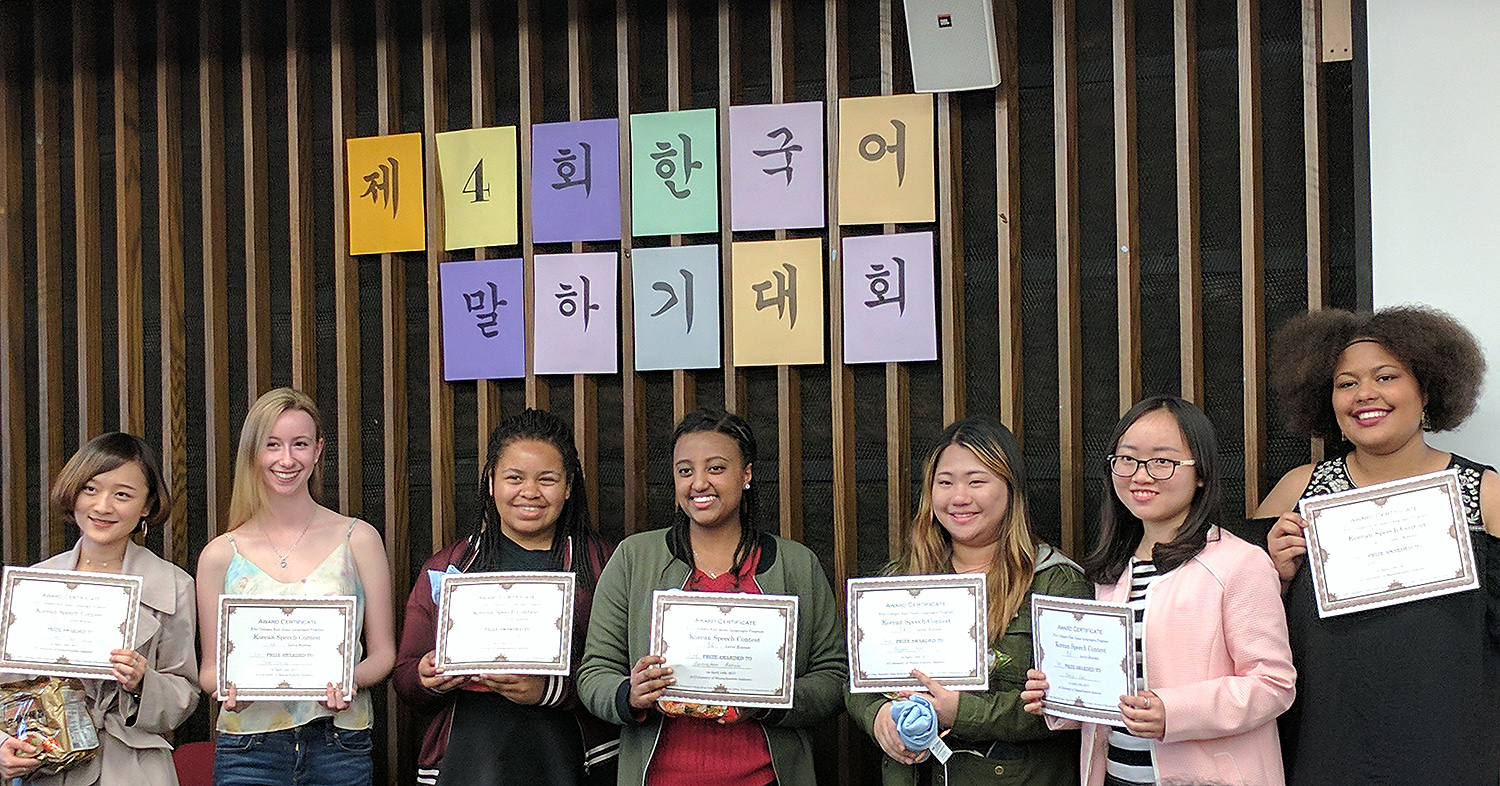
[(1214, 669)]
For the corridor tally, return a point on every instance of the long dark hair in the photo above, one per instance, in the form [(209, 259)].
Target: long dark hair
[(483, 551), (734, 427), (1120, 531)]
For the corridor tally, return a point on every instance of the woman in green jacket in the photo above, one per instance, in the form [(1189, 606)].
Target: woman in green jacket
[(973, 519), (711, 546)]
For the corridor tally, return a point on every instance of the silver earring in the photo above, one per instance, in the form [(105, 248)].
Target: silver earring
[(747, 486)]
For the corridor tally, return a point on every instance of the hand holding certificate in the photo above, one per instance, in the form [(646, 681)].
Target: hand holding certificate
[(287, 647), (935, 624), (505, 622), (727, 648), (1087, 650), (64, 623)]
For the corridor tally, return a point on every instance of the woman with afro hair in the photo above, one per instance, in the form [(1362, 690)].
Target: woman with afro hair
[(1409, 693)]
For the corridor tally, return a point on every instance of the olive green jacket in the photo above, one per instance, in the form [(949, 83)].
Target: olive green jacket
[(1026, 751), (618, 637)]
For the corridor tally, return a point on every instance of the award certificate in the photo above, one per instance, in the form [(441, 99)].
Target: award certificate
[(1087, 650), (64, 623), (937, 624), (727, 648), (287, 647), (506, 622), (1389, 543)]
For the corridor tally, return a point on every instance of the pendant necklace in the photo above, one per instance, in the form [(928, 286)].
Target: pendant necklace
[(282, 557)]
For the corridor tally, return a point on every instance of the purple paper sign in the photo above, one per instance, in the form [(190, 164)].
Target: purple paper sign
[(776, 166), (577, 317), (890, 311), (575, 181), (484, 319)]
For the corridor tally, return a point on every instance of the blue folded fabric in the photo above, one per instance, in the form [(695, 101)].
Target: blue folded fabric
[(435, 578), (916, 722)]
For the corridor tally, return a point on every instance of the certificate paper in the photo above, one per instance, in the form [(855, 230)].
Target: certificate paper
[(1389, 543), (937, 624), (64, 623), (1087, 650), (287, 647), (727, 648), (505, 622)]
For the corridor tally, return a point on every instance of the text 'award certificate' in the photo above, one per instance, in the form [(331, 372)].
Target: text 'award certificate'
[(505, 622), (1087, 650), (64, 623), (1389, 543), (727, 648), (287, 647), (937, 624)]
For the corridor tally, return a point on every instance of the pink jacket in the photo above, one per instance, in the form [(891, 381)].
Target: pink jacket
[(1217, 655)]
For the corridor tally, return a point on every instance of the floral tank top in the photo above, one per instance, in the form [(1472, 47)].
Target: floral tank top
[(335, 575)]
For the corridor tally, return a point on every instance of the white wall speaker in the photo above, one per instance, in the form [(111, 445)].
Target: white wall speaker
[(952, 45)]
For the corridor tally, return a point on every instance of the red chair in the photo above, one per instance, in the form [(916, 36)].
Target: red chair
[(195, 763)]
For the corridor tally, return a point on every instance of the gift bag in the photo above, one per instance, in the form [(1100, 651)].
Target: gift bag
[(52, 714)]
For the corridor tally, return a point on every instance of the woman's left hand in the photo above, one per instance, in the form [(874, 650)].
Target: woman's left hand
[(943, 700), (129, 669), (335, 700), (524, 689), (1145, 715)]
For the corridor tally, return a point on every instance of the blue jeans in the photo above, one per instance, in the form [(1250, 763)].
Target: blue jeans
[(313, 754)]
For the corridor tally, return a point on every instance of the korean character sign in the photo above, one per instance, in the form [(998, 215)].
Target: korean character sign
[(577, 313), (776, 166), (674, 172), (484, 319), (778, 301), (477, 177), (887, 165), (575, 181), (890, 306), (676, 294), (387, 212)]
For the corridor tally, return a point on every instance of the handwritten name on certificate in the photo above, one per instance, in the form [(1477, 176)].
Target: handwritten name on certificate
[(937, 624), (64, 623), (1087, 650), (506, 622), (287, 647), (1389, 543), (727, 648)]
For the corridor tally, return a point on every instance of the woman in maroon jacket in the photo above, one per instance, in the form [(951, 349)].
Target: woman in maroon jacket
[(494, 729)]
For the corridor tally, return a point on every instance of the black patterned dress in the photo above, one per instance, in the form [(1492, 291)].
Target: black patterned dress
[(1405, 695)]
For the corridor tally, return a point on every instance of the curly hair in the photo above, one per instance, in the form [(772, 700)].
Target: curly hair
[(1440, 352)]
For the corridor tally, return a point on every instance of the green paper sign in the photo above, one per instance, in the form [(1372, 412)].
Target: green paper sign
[(674, 172)]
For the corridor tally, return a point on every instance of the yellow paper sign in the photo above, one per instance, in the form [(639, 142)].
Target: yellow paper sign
[(778, 302), (477, 178), (386, 209), (886, 161)]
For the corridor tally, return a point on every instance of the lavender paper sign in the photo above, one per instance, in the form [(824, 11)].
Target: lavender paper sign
[(676, 293), (484, 320), (776, 166), (577, 313), (575, 181), (890, 311)]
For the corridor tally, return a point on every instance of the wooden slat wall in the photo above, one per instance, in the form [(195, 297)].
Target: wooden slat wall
[(54, 353)]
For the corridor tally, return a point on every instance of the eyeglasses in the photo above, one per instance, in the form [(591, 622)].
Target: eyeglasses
[(1159, 468)]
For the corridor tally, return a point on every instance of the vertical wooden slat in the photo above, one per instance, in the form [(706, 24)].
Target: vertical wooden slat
[(131, 334), (256, 166), (439, 393), (1336, 30), (1069, 289), (585, 386), (1127, 228), (218, 457), (13, 416), (679, 97), (482, 108), (50, 296), (897, 379), (1189, 263), (632, 387), (1314, 156), (345, 269), (171, 274), (950, 258), (736, 393), (530, 67), (1008, 219), (299, 166), (87, 234), (1252, 252)]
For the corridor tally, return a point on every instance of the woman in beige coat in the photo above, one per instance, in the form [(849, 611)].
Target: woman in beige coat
[(111, 489)]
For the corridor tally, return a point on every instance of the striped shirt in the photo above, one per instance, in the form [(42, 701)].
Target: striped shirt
[(1128, 759)]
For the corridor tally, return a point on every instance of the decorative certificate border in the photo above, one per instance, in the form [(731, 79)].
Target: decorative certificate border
[(977, 677), (128, 584), (1079, 609), (664, 601), (455, 582), (1445, 482), (289, 604)]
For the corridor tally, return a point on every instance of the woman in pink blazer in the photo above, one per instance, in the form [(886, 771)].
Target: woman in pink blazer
[(1215, 669)]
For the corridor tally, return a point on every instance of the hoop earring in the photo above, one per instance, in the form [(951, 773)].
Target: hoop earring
[(1426, 421), (145, 528)]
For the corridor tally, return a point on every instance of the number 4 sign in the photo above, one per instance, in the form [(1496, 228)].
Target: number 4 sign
[(477, 175)]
